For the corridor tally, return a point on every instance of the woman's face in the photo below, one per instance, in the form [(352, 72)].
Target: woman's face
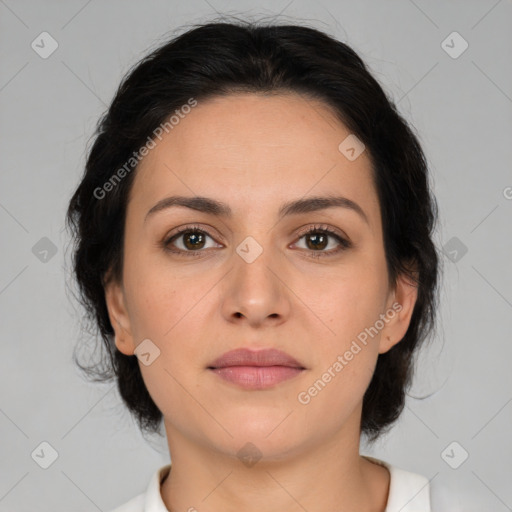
[(256, 279)]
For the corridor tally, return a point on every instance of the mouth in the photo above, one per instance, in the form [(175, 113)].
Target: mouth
[(257, 377), (260, 369)]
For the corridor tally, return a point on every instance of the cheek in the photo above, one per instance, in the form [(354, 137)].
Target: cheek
[(166, 311), (345, 356), (162, 300), (335, 391), (167, 308), (349, 304), (171, 321)]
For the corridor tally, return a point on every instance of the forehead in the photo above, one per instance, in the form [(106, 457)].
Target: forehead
[(247, 149)]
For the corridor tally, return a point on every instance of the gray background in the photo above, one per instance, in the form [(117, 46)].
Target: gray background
[(461, 108)]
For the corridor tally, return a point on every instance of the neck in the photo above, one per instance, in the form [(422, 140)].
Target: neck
[(323, 478)]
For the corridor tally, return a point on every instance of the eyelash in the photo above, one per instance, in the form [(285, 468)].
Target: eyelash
[(344, 244)]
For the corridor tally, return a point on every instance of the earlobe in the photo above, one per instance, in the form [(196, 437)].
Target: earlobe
[(399, 312), (119, 318)]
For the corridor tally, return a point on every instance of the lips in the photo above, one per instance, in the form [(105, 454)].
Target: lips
[(256, 370), (247, 357)]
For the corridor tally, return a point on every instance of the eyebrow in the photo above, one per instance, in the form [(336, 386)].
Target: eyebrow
[(220, 209)]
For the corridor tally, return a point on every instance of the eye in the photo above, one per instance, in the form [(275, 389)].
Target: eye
[(317, 239), (190, 240)]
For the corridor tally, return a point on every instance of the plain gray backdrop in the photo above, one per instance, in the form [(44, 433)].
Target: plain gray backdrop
[(458, 99)]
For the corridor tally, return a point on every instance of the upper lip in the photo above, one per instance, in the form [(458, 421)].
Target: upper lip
[(249, 357)]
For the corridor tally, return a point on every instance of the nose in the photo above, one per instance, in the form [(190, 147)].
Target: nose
[(255, 290)]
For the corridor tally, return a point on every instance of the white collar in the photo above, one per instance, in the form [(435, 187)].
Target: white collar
[(408, 492)]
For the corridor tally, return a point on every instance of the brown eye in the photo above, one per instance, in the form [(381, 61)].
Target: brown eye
[(188, 240), (193, 240), (317, 239)]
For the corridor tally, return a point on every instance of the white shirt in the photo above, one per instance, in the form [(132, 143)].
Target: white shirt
[(408, 492)]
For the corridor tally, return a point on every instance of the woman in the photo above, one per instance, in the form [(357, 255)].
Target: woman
[(253, 239)]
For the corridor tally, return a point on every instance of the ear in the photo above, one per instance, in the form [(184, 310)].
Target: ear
[(119, 318), (399, 309)]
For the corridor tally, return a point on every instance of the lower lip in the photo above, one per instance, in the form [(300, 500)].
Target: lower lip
[(257, 377)]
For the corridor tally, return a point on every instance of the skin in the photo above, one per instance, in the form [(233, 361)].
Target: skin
[(255, 152)]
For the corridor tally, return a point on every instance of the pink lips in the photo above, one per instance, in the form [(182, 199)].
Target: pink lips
[(256, 369)]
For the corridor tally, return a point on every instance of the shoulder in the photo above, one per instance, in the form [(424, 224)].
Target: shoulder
[(412, 492)]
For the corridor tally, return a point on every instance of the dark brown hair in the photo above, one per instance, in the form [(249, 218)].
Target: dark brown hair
[(216, 59)]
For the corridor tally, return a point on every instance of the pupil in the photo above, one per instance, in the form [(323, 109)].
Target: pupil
[(316, 241), (197, 237)]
